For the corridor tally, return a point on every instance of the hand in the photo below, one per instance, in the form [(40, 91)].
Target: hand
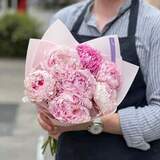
[(47, 125), (56, 131)]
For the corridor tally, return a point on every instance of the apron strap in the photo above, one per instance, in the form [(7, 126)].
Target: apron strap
[(133, 18), (80, 19), (115, 20)]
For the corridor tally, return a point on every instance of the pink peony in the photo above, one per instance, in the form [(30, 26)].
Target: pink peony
[(110, 74), (90, 58), (61, 58), (81, 82), (105, 98), (70, 108), (39, 86)]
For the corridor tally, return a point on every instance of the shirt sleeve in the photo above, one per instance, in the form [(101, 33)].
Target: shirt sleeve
[(142, 125)]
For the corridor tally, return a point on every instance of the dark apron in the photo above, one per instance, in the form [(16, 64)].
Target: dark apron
[(82, 145)]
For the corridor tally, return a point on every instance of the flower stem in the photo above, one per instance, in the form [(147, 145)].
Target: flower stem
[(52, 143)]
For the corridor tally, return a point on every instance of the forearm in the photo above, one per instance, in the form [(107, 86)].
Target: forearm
[(111, 124), (140, 125)]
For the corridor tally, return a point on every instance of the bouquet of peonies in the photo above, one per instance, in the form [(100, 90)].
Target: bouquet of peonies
[(70, 80), (75, 84)]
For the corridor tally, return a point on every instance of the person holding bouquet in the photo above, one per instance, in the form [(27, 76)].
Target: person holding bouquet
[(133, 132)]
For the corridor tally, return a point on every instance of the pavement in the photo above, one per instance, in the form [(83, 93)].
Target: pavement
[(19, 130), (20, 134)]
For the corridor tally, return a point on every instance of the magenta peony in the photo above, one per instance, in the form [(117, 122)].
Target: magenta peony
[(90, 58)]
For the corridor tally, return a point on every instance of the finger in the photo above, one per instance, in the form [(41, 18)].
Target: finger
[(45, 118), (43, 124), (45, 112)]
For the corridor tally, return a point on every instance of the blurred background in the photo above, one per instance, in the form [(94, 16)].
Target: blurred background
[(20, 134)]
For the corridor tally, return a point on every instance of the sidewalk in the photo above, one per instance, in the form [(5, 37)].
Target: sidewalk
[(19, 130)]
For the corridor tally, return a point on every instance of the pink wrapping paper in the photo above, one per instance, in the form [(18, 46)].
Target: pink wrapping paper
[(59, 34)]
